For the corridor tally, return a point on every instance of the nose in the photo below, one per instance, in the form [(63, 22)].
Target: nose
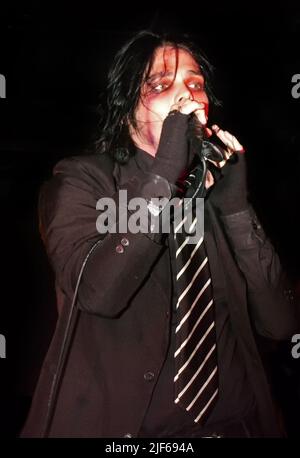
[(183, 93)]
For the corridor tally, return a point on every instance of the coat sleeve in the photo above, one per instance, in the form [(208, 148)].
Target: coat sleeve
[(119, 264), (270, 295)]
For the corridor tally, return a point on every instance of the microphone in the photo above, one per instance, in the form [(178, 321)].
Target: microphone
[(203, 151), (203, 147)]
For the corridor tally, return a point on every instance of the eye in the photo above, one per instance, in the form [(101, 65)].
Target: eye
[(159, 87), (196, 85)]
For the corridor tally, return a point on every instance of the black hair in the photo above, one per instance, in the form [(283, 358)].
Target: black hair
[(129, 70)]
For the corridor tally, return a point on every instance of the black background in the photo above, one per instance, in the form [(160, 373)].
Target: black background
[(54, 59)]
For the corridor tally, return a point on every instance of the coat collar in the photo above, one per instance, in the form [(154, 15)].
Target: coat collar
[(123, 173)]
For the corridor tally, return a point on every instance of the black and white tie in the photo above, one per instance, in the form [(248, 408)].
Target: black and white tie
[(196, 368)]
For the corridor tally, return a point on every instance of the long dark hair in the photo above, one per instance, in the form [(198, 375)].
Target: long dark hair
[(129, 70)]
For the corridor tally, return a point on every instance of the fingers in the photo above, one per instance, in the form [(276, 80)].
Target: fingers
[(208, 132), (228, 139), (219, 165), (187, 106), (209, 180), (200, 113)]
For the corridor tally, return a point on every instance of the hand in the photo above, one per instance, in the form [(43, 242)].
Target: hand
[(231, 143), (229, 193), (229, 140), (187, 106), (232, 146), (173, 155)]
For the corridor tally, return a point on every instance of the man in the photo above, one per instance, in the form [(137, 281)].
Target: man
[(113, 369)]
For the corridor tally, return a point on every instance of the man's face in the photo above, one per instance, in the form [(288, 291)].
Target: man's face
[(174, 74)]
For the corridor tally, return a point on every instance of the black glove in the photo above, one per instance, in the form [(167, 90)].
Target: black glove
[(172, 157), (229, 193)]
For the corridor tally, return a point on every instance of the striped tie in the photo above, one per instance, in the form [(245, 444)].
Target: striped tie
[(196, 370)]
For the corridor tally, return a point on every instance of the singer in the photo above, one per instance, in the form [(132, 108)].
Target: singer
[(156, 337)]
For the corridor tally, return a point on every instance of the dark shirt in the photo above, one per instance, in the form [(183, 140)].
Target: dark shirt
[(163, 417)]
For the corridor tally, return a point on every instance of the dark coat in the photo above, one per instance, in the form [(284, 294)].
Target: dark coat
[(120, 332)]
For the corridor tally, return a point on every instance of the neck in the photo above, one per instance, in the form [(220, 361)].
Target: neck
[(149, 147)]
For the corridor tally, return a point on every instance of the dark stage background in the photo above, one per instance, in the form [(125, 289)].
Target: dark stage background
[(54, 59)]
